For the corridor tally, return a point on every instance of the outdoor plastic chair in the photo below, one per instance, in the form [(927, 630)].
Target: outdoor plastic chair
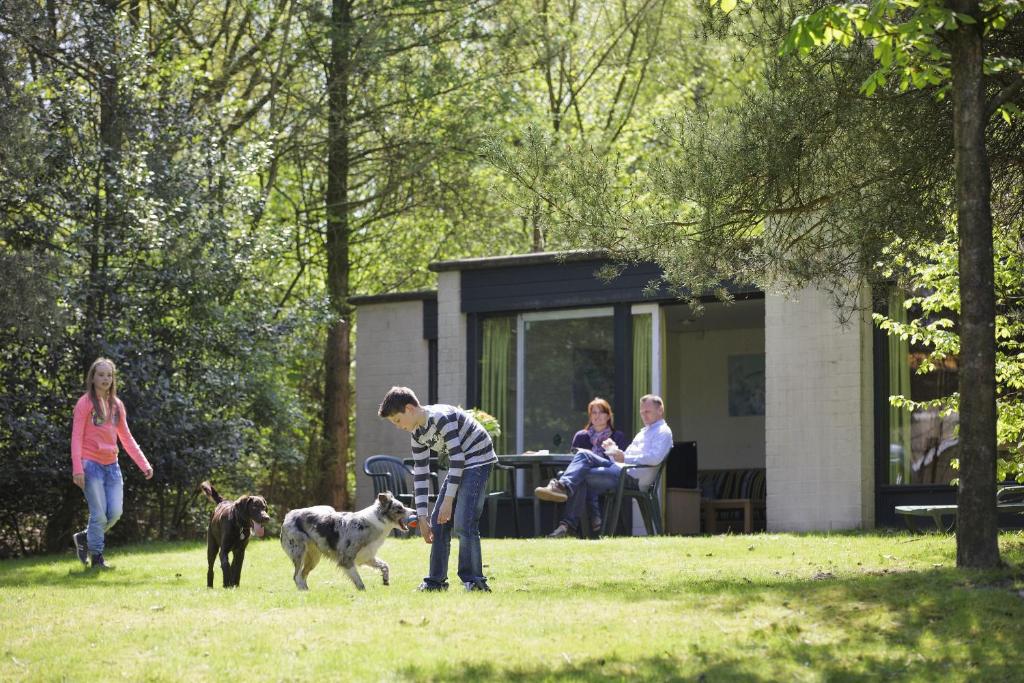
[(646, 498), (389, 473)]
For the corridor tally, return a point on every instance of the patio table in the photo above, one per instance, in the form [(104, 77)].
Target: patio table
[(532, 462)]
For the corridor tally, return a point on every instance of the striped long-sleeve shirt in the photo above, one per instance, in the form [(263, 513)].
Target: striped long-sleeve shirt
[(452, 431)]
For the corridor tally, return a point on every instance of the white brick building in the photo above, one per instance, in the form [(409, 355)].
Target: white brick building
[(768, 382)]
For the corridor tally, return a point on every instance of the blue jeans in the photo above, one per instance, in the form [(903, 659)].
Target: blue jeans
[(465, 521), (104, 492), (588, 476)]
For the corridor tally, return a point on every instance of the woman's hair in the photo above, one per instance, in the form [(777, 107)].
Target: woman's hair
[(606, 407), (98, 415)]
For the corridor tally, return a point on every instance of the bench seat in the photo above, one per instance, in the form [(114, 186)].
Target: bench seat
[(1008, 499)]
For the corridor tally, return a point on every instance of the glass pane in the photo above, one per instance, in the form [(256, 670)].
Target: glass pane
[(934, 438), (922, 443), (567, 363)]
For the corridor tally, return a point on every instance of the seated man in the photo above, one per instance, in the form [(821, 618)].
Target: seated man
[(600, 474)]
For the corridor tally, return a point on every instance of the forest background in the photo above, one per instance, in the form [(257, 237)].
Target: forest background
[(197, 191)]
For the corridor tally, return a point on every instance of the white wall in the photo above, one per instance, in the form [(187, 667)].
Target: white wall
[(390, 351), (697, 400), (451, 340), (819, 462)]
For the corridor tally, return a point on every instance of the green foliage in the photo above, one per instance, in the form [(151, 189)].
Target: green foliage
[(783, 179), (907, 40), (593, 76), (487, 421), (129, 230)]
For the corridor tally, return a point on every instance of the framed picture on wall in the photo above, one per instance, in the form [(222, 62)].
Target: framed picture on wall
[(746, 385)]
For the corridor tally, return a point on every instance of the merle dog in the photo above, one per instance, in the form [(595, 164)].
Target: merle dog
[(230, 526), (349, 538)]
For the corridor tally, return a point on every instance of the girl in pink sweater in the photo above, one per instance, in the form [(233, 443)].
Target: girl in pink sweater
[(100, 421)]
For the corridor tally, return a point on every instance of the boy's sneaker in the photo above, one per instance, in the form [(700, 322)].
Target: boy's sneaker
[(554, 492), (427, 587), (595, 524), (81, 547), (561, 531), (480, 585), (98, 563)]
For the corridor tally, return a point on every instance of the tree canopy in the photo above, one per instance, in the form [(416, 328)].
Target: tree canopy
[(862, 126), (197, 192)]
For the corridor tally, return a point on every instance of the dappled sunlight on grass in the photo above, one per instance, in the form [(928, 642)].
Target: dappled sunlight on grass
[(762, 607)]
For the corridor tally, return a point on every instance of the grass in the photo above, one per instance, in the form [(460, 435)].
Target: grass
[(770, 607)]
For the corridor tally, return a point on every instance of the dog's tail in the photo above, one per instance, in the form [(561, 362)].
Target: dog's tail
[(210, 492)]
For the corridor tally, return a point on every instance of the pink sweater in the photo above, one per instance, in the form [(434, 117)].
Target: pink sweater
[(99, 443)]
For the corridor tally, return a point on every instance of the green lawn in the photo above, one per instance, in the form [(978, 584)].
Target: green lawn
[(728, 608)]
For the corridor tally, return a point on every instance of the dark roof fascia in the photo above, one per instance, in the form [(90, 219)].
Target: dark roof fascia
[(394, 297), (546, 282), (538, 258)]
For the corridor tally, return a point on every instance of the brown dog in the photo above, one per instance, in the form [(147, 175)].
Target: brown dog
[(229, 530)]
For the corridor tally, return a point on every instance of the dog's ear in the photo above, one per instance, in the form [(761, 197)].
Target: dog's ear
[(384, 498)]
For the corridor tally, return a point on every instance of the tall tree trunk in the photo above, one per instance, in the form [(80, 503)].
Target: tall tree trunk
[(106, 224), (977, 529), (337, 355), (108, 201)]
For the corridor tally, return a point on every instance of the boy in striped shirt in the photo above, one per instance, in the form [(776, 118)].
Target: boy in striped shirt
[(451, 433)]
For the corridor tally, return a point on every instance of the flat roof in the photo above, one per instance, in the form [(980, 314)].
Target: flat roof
[(394, 297), (531, 259)]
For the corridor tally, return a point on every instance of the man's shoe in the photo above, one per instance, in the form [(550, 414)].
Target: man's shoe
[(595, 524), (554, 492), (81, 547), (480, 585), (98, 562), (427, 587), (561, 531)]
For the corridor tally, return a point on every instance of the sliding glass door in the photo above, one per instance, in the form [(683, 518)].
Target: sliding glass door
[(568, 358)]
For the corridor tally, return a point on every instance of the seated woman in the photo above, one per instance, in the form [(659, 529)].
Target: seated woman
[(600, 427)]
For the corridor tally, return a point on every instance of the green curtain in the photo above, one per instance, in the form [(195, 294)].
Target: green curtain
[(899, 385), (494, 376), (642, 363)]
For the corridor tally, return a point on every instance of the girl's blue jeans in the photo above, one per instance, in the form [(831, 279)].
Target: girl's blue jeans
[(465, 523), (104, 492)]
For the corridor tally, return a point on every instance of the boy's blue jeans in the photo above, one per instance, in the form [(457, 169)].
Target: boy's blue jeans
[(104, 492), (465, 522)]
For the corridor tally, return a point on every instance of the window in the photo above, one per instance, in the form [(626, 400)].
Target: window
[(539, 371), (568, 359), (922, 442)]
